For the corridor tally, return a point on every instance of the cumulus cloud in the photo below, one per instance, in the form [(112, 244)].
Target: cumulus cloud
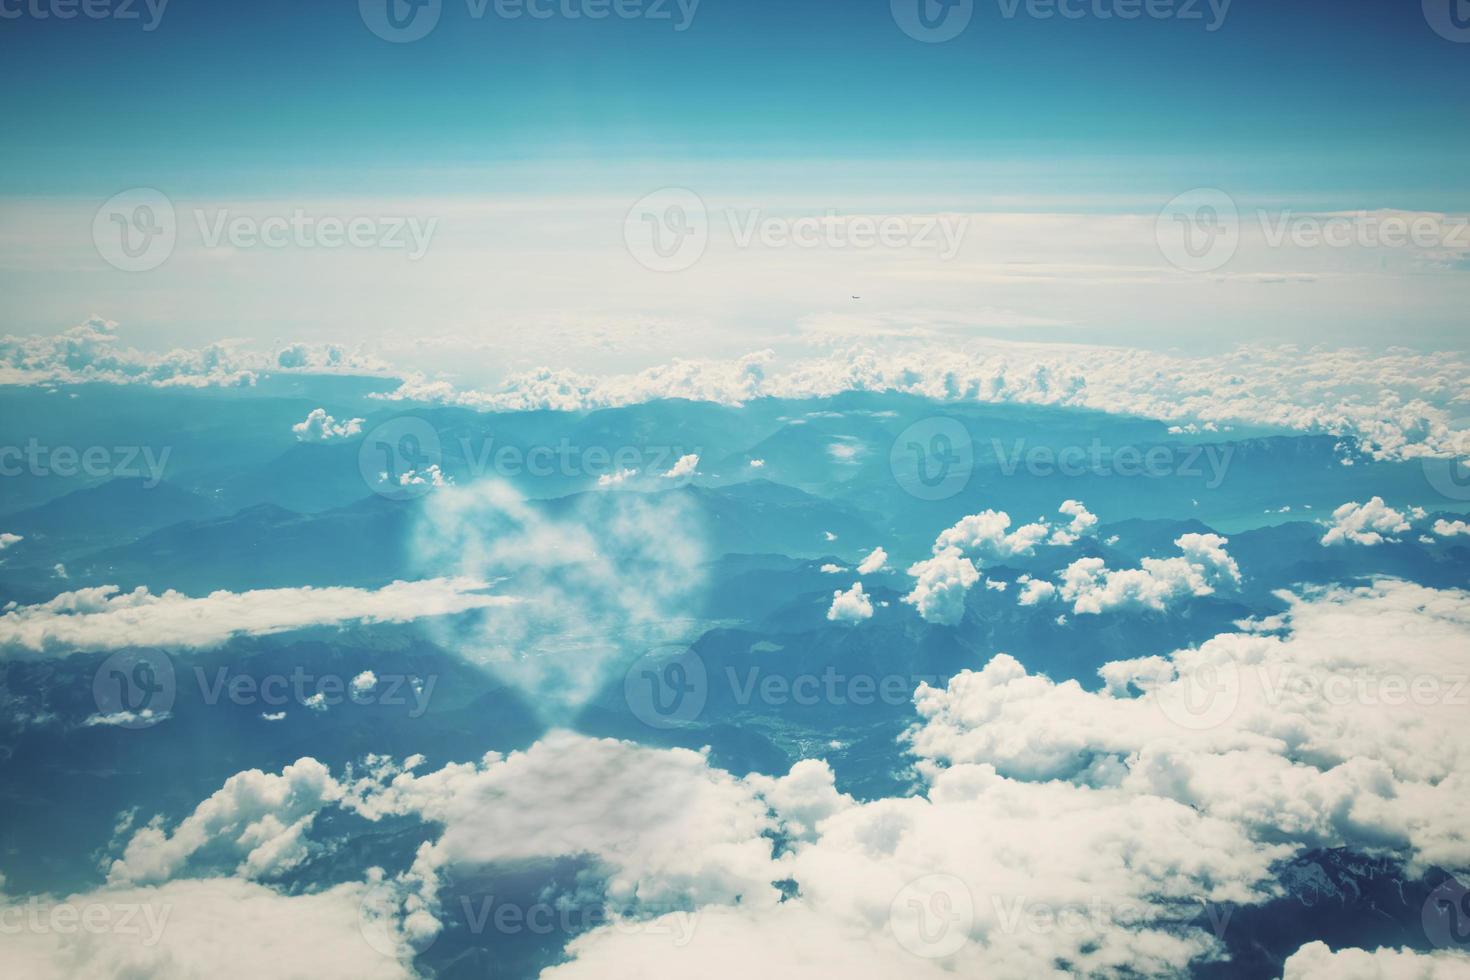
[(657, 828), (103, 618), (616, 479), (254, 826), (1364, 524), (942, 584), (660, 826), (988, 534), (945, 579), (7, 539), (429, 476), (318, 426), (949, 883), (735, 944), (226, 928), (1034, 591), (683, 466), (1083, 521), (1316, 961), (1333, 733), (1398, 404), (875, 561), (1442, 527), (804, 797), (852, 606), (92, 353), (1094, 588), (1054, 825)]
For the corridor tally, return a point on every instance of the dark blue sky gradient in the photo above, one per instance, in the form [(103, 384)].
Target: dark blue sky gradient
[(1358, 100)]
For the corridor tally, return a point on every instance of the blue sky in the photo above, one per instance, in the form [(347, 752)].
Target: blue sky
[(1313, 98), (527, 141)]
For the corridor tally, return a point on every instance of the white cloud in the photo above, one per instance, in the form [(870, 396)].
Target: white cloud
[(1082, 522), (790, 942), (1060, 825), (430, 476), (831, 569), (684, 466), (943, 582), (364, 682), (1446, 528), (254, 827), (91, 353), (1316, 961), (852, 606), (318, 426), (875, 561), (804, 797), (1129, 875), (1203, 567), (1364, 524), (127, 718), (225, 928), (102, 618), (756, 464), (7, 539), (660, 824), (1334, 734), (616, 479), (1400, 404), (1035, 591), (987, 534)]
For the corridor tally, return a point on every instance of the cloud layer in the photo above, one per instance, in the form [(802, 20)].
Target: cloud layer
[(1397, 403), (103, 618)]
